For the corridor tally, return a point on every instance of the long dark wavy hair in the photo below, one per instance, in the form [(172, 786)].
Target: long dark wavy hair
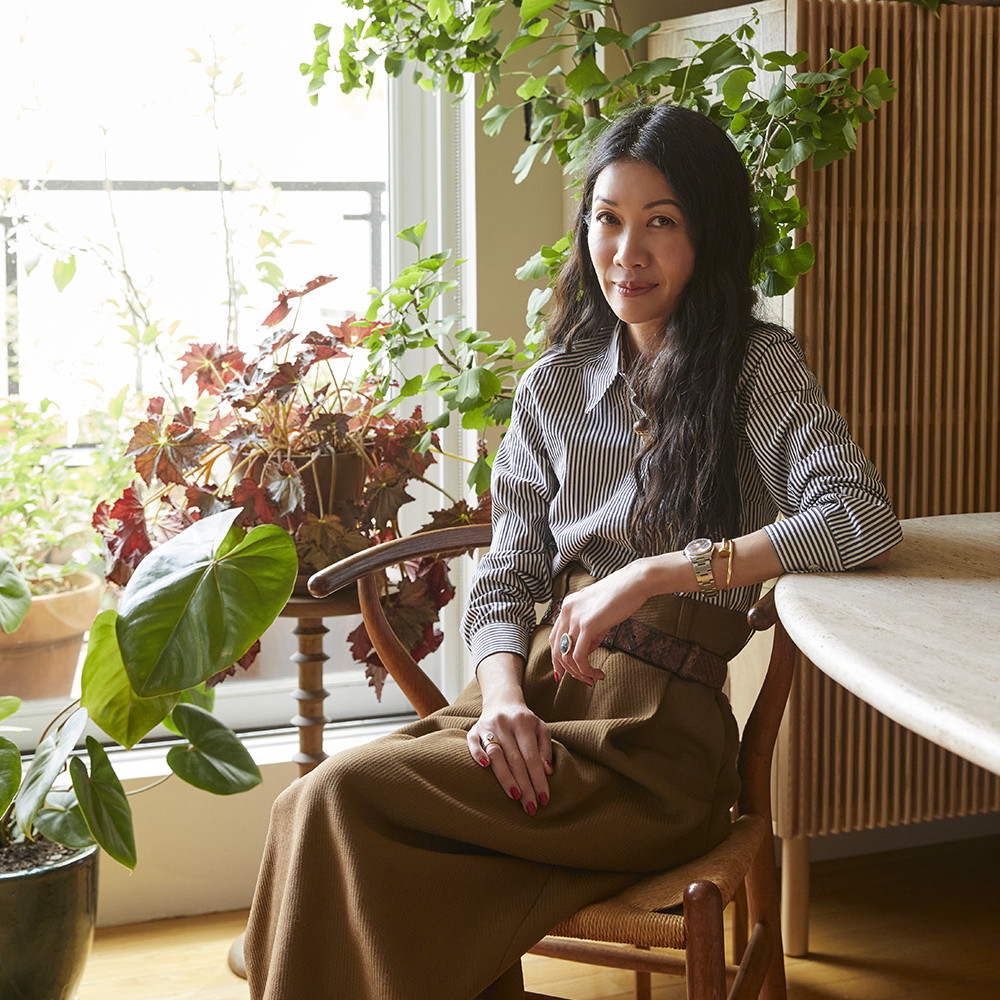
[(686, 467)]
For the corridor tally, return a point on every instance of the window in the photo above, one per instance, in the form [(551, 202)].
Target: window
[(165, 175)]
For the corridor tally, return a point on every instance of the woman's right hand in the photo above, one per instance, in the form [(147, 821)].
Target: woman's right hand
[(509, 738)]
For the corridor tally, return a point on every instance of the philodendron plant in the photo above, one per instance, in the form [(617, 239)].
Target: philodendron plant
[(192, 608)]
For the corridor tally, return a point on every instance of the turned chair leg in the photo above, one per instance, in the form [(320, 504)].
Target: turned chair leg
[(706, 952)]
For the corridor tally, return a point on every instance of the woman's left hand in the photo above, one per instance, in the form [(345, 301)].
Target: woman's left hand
[(586, 615)]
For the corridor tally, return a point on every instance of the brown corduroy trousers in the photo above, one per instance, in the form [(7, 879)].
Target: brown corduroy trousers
[(399, 870)]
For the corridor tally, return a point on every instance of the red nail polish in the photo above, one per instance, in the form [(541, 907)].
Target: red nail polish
[(530, 808), (555, 676), (543, 799), (515, 793), (485, 761)]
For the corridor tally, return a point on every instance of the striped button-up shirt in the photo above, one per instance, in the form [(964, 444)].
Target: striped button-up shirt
[(563, 482)]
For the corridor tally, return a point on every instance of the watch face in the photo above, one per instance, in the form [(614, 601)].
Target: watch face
[(699, 547)]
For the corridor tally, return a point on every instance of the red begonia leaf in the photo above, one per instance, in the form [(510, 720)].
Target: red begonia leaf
[(385, 492), (282, 309), (212, 365), (245, 662), (254, 500), (166, 452), (284, 487), (129, 541)]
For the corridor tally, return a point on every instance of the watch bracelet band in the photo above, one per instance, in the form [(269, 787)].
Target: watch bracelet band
[(703, 572)]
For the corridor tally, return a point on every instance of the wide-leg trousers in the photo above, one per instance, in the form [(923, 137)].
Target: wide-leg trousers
[(400, 870)]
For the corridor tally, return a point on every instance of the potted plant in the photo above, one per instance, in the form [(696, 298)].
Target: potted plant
[(45, 530), (316, 432), (197, 603)]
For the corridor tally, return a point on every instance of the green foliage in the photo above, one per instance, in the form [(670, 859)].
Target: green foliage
[(47, 494), (15, 595), (194, 606), (778, 115), (472, 372), (190, 610)]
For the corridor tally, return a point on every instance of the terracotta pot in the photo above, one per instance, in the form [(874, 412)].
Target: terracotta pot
[(329, 479), (40, 659), (49, 914)]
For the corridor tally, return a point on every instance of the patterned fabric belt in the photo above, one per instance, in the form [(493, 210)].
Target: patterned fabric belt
[(660, 649)]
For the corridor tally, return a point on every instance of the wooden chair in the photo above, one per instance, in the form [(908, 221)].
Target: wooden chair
[(630, 930)]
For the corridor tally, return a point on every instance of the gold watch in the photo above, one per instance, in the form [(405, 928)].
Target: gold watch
[(699, 552)]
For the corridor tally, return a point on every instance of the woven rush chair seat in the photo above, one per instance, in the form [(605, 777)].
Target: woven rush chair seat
[(669, 921)]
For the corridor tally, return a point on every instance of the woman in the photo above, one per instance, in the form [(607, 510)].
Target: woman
[(663, 420)]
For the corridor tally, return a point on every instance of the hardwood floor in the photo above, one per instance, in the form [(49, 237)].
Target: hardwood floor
[(919, 924)]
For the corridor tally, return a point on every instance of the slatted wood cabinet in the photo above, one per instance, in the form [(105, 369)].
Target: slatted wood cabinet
[(900, 319)]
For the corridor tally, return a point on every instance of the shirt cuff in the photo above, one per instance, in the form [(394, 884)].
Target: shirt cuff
[(805, 544), (500, 637)]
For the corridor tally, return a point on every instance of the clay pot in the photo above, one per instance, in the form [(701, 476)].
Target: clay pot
[(40, 658)]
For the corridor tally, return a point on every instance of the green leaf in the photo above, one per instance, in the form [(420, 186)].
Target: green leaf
[(795, 260), (104, 804), (187, 613), (482, 23), (782, 58), (440, 10), (475, 387), (61, 820), (525, 160), (853, 58), (735, 87), (494, 118), (8, 706), (414, 234), (533, 87), (202, 696), (216, 760), (779, 107), (10, 773), (877, 88), (797, 153), (63, 271), (587, 79), (530, 9), (49, 760), (479, 477), (15, 597), (106, 692)]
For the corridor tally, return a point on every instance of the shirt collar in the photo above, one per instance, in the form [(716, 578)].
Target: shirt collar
[(605, 368)]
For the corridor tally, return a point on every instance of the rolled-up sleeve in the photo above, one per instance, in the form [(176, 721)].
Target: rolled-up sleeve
[(836, 513), (516, 573)]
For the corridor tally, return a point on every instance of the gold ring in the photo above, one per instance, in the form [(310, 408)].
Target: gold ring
[(490, 738), (565, 643)]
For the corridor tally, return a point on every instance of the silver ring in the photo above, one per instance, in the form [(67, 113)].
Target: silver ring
[(565, 643)]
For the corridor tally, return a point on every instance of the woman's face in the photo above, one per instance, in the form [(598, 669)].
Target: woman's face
[(640, 247)]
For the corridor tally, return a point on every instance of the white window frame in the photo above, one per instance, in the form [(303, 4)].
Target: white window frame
[(434, 131)]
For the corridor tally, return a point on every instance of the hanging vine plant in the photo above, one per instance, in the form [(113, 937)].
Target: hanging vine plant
[(779, 114)]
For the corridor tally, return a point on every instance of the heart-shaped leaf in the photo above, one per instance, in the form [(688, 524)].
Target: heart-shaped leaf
[(10, 773), (49, 760), (106, 692), (215, 761), (197, 603), (15, 598), (104, 804), (61, 821)]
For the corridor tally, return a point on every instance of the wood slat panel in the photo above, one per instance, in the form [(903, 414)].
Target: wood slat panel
[(901, 321)]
